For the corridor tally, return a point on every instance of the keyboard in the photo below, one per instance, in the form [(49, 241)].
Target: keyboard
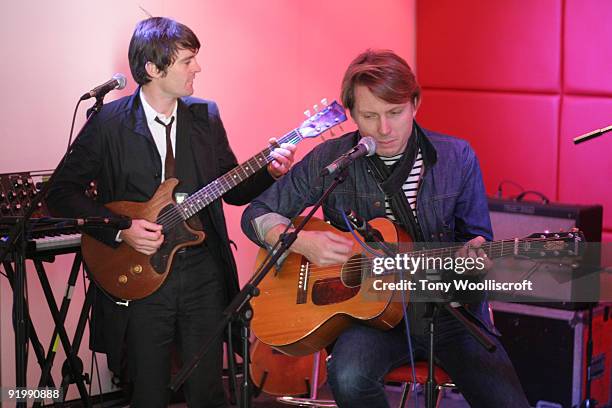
[(58, 242), (49, 242)]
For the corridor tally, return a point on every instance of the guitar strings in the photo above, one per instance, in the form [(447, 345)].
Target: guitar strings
[(353, 265), (181, 212), (449, 251), (178, 213), (355, 268), (185, 210)]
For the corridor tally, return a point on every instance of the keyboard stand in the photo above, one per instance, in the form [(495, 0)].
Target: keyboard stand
[(72, 370), (74, 365), (31, 331)]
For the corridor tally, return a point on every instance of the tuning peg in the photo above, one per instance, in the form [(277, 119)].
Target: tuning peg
[(341, 128), (307, 113), (315, 107), (322, 135), (324, 101), (331, 132)]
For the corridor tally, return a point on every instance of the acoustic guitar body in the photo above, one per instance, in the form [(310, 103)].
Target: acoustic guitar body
[(302, 308), (278, 374)]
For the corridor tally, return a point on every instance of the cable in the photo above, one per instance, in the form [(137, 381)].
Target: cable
[(28, 234), (501, 183), (520, 197), (94, 359), (404, 306), (358, 239), (410, 349), (72, 124)]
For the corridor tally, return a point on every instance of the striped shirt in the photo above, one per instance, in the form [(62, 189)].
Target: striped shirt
[(410, 186)]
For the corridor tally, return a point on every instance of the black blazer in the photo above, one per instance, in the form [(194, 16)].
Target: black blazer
[(118, 151)]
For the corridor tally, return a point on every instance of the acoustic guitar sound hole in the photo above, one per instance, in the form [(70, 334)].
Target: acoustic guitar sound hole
[(331, 290)]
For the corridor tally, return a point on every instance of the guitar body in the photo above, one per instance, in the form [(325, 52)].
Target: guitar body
[(125, 273), (299, 321), (278, 374)]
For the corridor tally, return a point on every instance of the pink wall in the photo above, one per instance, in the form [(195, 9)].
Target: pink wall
[(264, 62), (519, 80)]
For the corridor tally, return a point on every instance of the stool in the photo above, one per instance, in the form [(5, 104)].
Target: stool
[(403, 374)]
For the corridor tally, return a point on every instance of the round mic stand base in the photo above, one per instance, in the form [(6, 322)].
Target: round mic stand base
[(307, 402)]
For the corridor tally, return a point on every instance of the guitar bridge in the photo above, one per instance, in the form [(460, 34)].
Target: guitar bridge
[(302, 293)]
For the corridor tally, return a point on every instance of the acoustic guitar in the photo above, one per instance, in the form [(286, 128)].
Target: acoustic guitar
[(276, 373), (302, 307), (128, 274)]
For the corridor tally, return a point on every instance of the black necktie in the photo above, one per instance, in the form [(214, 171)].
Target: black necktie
[(169, 164)]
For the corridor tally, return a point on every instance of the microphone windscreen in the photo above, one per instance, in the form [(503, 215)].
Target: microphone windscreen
[(369, 143), (121, 80)]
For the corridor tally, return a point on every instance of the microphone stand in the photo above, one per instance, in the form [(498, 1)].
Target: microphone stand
[(370, 233), (592, 135), (17, 231), (16, 243), (239, 309), (589, 402)]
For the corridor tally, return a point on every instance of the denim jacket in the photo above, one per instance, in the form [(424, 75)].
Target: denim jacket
[(451, 202)]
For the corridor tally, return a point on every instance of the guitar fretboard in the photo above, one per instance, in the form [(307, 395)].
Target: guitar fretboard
[(501, 248), (214, 190)]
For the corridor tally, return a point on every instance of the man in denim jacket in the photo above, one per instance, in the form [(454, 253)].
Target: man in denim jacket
[(439, 197)]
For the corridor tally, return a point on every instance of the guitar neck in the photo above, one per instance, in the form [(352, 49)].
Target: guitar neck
[(501, 248), (214, 190)]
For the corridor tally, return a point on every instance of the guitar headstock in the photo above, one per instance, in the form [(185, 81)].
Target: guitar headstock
[(548, 244), (322, 121)]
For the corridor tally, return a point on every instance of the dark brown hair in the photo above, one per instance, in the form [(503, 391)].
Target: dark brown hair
[(158, 39), (387, 75)]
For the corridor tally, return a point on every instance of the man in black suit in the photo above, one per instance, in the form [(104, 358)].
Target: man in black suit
[(129, 148)]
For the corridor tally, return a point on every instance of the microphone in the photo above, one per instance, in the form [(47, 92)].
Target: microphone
[(118, 81), (591, 135), (120, 223), (365, 147)]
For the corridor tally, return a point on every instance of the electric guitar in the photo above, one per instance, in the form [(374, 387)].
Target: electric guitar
[(127, 274), (303, 307)]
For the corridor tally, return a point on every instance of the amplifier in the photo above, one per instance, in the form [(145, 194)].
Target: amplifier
[(561, 283), (548, 350), (511, 219)]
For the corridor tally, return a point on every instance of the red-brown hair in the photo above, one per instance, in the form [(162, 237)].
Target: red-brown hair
[(387, 75)]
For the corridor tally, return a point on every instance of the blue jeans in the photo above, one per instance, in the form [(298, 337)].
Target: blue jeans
[(363, 355)]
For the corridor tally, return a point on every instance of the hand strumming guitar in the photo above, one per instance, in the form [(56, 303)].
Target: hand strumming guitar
[(323, 248), (144, 236)]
